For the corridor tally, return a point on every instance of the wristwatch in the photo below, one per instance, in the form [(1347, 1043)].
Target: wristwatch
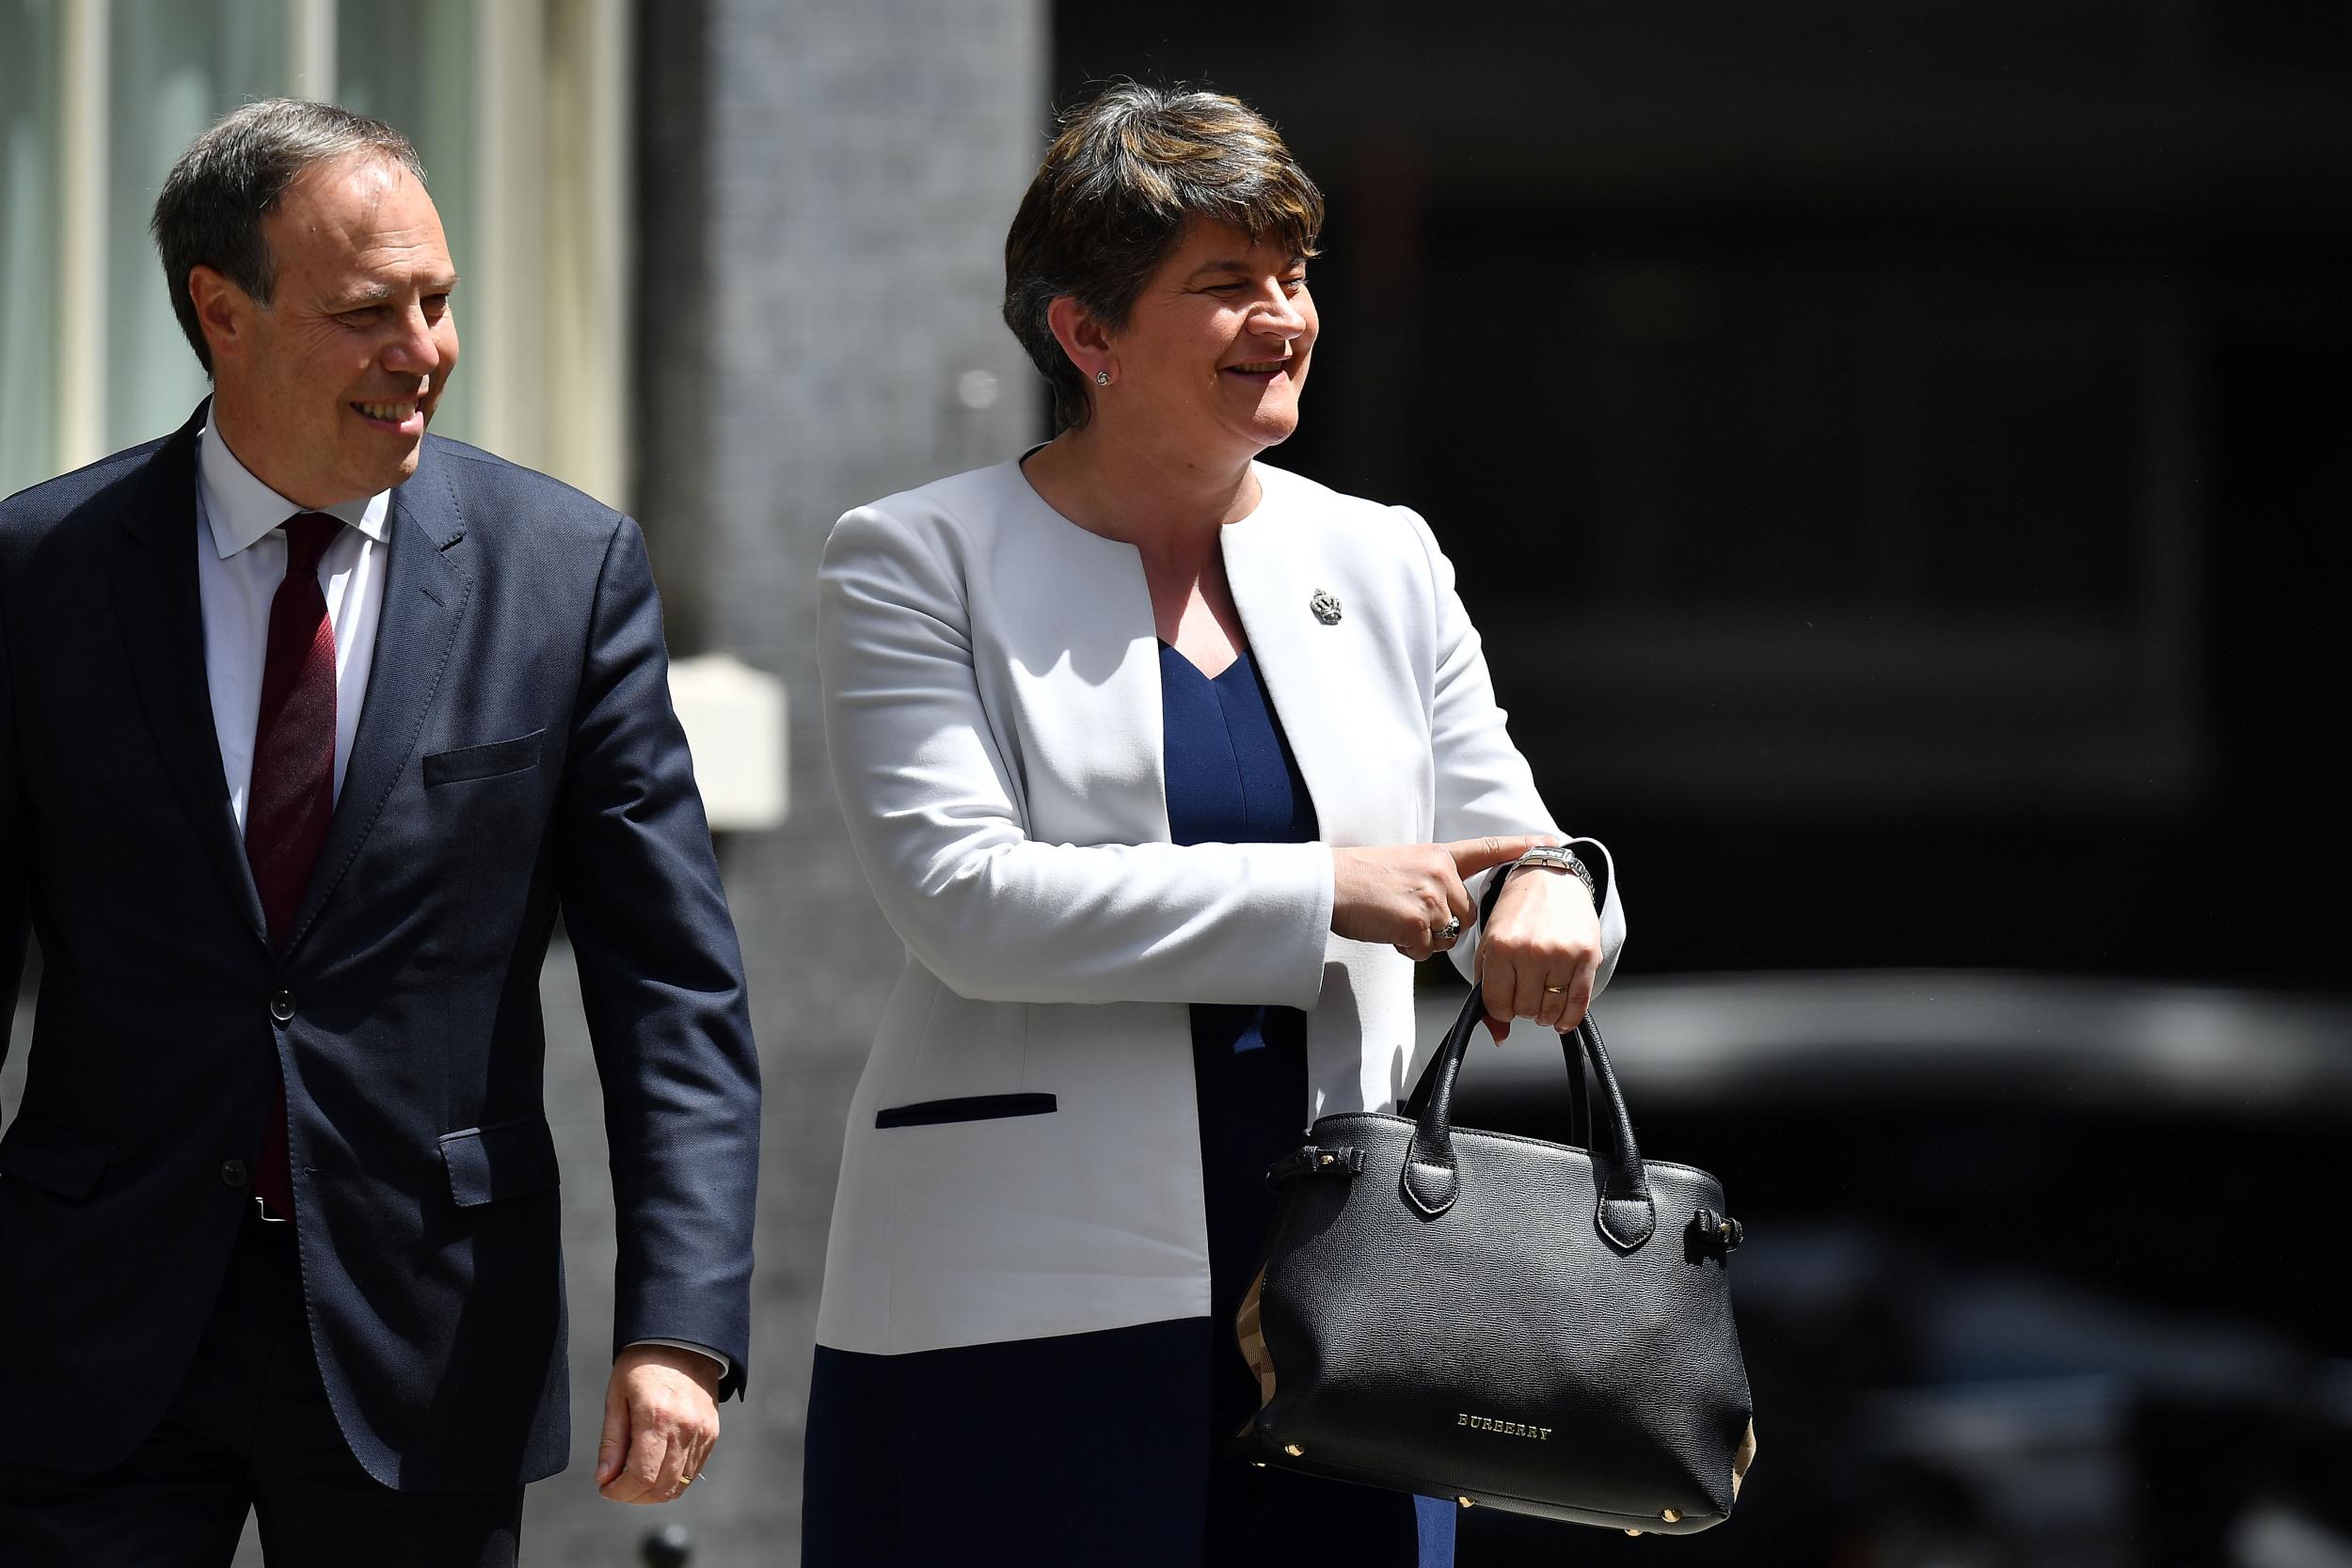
[(1560, 859)]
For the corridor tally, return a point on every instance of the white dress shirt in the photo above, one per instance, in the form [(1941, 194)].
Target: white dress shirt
[(240, 561)]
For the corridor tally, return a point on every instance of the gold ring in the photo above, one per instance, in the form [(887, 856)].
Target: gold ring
[(1555, 990)]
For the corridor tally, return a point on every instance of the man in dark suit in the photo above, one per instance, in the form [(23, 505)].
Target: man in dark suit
[(310, 725)]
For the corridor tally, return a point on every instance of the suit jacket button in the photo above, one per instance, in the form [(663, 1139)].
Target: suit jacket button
[(232, 1173), (282, 1006)]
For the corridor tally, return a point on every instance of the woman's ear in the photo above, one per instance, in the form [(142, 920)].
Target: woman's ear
[(1083, 339)]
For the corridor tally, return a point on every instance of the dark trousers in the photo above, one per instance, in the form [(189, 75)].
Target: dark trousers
[(1090, 1451), (250, 1429)]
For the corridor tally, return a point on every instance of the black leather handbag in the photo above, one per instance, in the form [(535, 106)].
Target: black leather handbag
[(1519, 1324)]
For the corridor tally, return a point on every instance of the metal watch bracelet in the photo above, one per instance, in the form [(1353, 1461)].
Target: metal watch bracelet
[(1560, 859)]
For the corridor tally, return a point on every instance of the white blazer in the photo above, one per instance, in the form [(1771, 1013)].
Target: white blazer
[(992, 689)]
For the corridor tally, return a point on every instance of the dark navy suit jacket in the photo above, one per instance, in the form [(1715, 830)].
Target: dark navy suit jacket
[(517, 757)]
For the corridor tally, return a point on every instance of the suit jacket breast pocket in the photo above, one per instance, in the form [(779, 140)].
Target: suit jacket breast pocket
[(485, 761)]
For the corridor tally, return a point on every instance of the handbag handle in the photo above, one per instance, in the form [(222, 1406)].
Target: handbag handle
[(1432, 1179)]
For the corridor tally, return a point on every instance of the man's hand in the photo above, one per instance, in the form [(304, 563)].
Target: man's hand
[(661, 1422)]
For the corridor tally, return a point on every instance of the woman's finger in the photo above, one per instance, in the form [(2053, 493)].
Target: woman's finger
[(1527, 990), (1498, 977), (1559, 986), (1473, 855), (1459, 905), (1580, 990)]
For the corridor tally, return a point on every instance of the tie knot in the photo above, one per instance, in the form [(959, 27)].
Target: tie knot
[(308, 534)]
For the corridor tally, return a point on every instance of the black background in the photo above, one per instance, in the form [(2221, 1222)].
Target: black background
[(1896, 454)]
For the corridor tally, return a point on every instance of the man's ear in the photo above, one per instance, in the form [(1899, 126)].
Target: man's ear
[(224, 312), (1082, 338)]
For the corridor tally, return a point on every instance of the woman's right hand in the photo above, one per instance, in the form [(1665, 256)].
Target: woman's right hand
[(1405, 893)]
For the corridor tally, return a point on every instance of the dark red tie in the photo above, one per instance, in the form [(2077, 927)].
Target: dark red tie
[(292, 798)]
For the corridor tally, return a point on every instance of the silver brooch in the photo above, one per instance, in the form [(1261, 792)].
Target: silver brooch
[(1325, 605)]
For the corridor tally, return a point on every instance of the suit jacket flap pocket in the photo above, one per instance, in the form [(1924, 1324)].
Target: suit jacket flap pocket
[(484, 761), (507, 1159), (58, 1158)]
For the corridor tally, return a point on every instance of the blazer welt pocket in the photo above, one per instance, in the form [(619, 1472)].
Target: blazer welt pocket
[(974, 1107), (506, 1159), (485, 761), (64, 1160)]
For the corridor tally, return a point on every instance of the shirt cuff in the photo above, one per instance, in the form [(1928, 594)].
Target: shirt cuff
[(705, 1351)]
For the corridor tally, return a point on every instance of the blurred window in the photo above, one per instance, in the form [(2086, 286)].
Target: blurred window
[(518, 109), (172, 69), (411, 66), (29, 218)]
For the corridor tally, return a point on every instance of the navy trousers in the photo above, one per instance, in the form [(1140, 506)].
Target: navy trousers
[(250, 1429), (1084, 1451)]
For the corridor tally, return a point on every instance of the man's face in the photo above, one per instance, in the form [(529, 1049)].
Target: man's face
[(325, 392)]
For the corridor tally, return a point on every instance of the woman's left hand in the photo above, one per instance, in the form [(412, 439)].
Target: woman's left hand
[(1540, 951)]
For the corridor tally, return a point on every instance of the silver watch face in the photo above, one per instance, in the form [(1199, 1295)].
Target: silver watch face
[(1561, 860)]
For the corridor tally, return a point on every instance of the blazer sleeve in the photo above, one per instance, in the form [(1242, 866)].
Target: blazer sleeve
[(12, 870), (661, 978), (1484, 784), (929, 794)]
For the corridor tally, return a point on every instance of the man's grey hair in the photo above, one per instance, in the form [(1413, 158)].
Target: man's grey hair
[(233, 175)]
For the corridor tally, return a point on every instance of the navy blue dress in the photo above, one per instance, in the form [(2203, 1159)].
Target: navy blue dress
[(1108, 1448)]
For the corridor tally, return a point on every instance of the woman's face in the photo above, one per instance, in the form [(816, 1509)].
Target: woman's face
[(1215, 349)]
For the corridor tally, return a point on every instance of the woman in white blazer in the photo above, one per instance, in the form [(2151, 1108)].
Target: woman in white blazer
[(1166, 766)]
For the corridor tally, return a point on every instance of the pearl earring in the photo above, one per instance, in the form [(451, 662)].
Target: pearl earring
[(1101, 378)]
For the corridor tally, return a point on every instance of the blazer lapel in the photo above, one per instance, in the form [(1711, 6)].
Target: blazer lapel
[(1309, 666), (1075, 620), (426, 589), (1327, 668), (162, 618)]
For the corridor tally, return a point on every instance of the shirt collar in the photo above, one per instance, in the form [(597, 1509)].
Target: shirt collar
[(240, 509)]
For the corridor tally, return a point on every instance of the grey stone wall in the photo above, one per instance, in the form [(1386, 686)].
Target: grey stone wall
[(822, 214)]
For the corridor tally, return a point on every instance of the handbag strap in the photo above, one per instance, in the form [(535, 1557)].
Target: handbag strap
[(1431, 1178)]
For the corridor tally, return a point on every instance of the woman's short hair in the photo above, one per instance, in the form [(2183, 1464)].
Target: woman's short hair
[(1129, 167), (210, 210)]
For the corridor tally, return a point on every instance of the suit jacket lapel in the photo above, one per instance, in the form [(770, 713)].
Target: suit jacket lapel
[(162, 618), (426, 589)]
